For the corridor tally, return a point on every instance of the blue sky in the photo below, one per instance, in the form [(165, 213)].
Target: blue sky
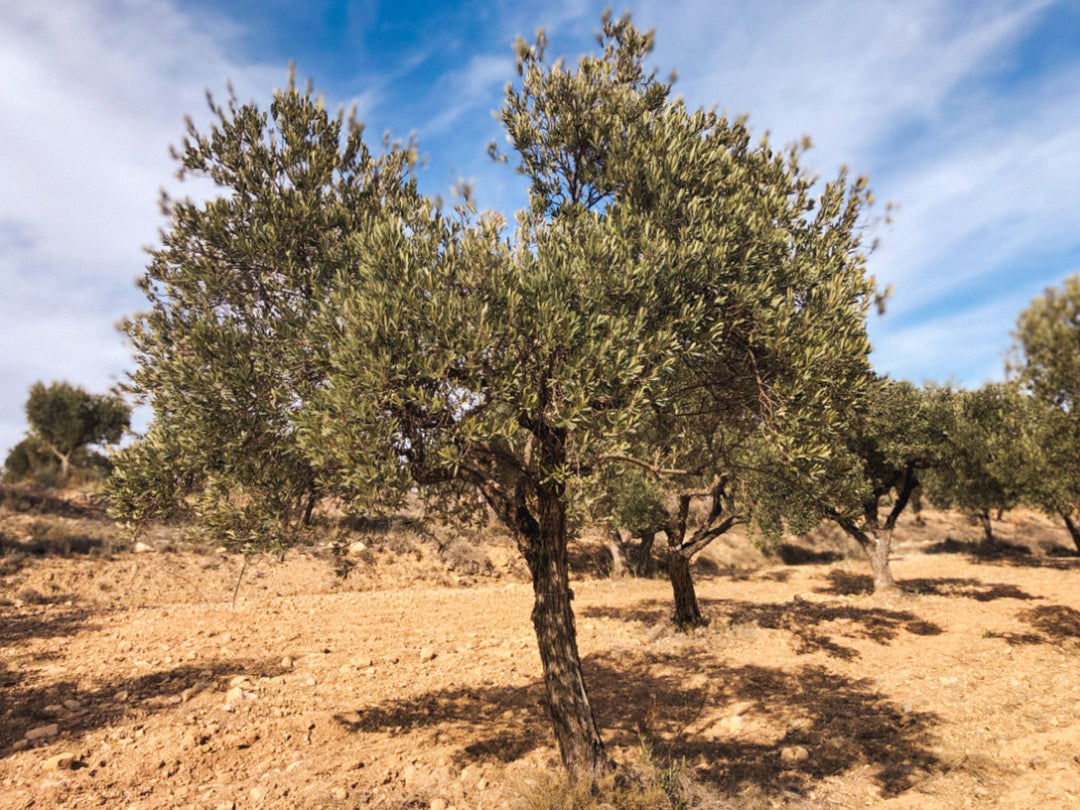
[(964, 113)]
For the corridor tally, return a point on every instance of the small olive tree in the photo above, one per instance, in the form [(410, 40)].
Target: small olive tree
[(896, 436), (65, 421)]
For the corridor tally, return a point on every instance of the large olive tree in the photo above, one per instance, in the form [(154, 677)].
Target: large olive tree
[(322, 326), (664, 259)]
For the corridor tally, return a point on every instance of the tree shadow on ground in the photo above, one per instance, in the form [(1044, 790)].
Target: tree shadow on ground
[(1054, 624), (27, 696), (37, 500), (802, 618), (1002, 552), (842, 723), (504, 722), (798, 555), (43, 621), (844, 583)]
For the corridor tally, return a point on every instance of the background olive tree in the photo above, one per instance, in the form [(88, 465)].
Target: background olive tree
[(223, 353), (1046, 363), (65, 422)]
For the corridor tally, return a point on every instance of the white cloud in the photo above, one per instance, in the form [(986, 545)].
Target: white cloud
[(92, 92)]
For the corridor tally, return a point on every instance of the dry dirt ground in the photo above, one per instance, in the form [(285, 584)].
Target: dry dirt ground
[(130, 681)]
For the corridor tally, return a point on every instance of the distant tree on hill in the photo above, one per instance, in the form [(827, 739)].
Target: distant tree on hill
[(64, 422)]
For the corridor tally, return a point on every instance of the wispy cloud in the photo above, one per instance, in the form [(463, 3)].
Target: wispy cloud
[(93, 92)]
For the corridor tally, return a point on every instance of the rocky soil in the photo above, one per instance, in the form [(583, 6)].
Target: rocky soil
[(132, 680)]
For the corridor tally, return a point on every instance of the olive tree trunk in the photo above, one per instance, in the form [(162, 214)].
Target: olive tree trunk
[(545, 549), (877, 545), (1074, 530), (687, 612)]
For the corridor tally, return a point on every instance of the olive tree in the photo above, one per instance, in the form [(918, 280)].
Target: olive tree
[(990, 449), (895, 437), (65, 420), (321, 326), (1046, 362), (663, 258)]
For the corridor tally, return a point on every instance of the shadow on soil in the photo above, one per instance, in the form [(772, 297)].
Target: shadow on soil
[(1005, 553), (1054, 624), (26, 698), (803, 619), (841, 723), (844, 583), (42, 621)]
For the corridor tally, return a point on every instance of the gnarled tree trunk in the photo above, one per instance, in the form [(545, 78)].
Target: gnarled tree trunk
[(545, 550), (687, 612), (1074, 530), (876, 544)]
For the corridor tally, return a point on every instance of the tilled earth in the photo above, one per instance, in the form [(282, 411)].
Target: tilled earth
[(132, 681)]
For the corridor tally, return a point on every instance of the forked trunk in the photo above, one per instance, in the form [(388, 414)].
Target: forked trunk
[(1074, 530), (877, 549), (687, 612), (579, 741), (877, 545), (988, 528)]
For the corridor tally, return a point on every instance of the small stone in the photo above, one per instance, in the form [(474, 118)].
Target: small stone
[(357, 547), (339, 794), (370, 672), (121, 696), (193, 690), (361, 662), (310, 682), (286, 663), (56, 708), (257, 794), (142, 548), (794, 753), (426, 654), (60, 762), (238, 679), (72, 705), (238, 695), (42, 732), (20, 745), (438, 804)]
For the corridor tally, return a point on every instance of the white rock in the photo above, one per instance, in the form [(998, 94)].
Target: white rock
[(794, 753), (142, 548), (60, 762), (427, 654), (42, 732)]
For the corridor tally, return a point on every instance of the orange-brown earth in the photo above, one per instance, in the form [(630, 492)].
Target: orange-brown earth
[(131, 681)]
